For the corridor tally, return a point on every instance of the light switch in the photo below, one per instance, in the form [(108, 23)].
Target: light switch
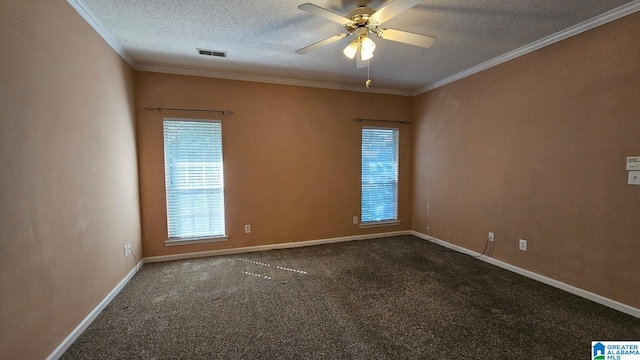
[(633, 163), (522, 245), (634, 177)]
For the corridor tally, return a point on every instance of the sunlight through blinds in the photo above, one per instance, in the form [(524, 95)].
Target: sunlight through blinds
[(194, 179), (379, 174)]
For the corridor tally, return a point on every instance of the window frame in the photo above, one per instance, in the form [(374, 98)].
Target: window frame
[(385, 222), (186, 240)]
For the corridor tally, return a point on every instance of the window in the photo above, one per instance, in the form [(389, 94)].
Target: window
[(379, 175), (194, 179)]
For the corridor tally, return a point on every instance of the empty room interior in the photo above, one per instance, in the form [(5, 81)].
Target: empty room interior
[(342, 179)]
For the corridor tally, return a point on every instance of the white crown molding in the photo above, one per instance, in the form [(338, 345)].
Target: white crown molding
[(535, 276), (602, 19), (211, 73), (91, 19)]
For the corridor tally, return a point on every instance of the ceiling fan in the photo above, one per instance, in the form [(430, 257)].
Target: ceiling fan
[(363, 21)]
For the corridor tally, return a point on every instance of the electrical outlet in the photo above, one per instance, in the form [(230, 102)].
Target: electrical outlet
[(247, 229), (355, 219), (126, 250), (523, 245), (490, 236)]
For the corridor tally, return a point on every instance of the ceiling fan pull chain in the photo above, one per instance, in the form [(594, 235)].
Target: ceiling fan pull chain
[(368, 82)]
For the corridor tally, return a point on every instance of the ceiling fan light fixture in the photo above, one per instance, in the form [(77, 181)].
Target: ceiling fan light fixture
[(367, 45), (366, 55), (363, 21), (351, 49)]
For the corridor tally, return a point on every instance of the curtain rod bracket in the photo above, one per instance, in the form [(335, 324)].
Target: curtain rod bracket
[(223, 112)]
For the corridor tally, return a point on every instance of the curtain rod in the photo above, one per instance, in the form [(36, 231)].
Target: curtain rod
[(223, 112), (377, 120)]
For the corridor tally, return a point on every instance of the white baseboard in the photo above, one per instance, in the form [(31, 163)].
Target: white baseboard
[(64, 345), (272, 247), (543, 279), (84, 324)]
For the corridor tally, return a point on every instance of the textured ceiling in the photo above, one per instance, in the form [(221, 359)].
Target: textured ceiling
[(260, 37)]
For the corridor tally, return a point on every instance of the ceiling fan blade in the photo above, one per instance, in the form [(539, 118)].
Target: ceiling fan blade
[(322, 12), (392, 9), (407, 37), (349, 3), (321, 43)]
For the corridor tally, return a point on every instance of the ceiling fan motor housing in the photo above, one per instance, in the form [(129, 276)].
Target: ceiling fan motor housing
[(363, 20), (360, 18)]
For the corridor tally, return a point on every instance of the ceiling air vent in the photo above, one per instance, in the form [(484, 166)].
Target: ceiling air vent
[(212, 53)]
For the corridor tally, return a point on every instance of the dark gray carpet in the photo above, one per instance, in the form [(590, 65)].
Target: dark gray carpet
[(390, 298)]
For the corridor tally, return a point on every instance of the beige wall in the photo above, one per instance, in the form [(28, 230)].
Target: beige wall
[(535, 149), (292, 158), (69, 194)]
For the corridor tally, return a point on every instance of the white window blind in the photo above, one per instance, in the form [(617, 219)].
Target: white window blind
[(379, 174), (194, 179)]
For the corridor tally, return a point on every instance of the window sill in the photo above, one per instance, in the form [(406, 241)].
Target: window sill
[(379, 223), (191, 241)]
